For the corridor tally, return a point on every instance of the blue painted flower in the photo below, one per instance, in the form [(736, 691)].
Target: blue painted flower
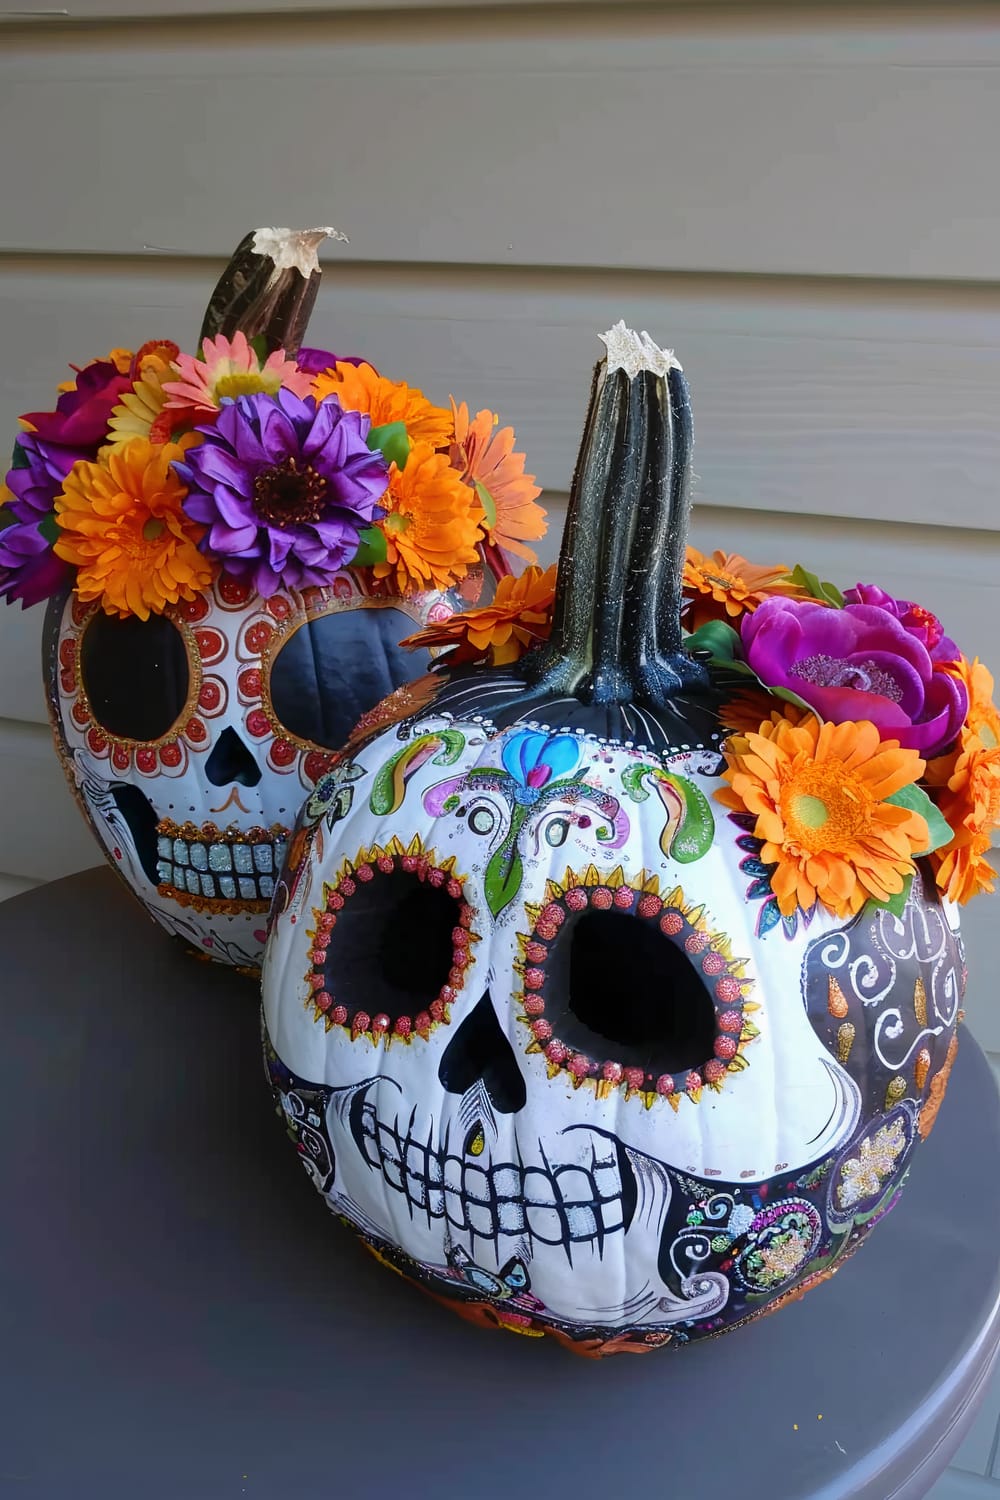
[(534, 759)]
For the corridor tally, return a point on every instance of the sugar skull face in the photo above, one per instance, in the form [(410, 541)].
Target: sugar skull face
[(191, 738), (563, 1060)]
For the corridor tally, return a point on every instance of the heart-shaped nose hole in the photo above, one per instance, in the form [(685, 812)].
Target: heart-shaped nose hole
[(231, 761)]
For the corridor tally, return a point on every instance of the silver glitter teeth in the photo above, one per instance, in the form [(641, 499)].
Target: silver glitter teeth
[(221, 870)]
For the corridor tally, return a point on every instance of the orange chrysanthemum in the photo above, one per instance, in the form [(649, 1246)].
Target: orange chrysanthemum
[(432, 524), (818, 792), (725, 585), (501, 632), (360, 388), (124, 529), (486, 460)]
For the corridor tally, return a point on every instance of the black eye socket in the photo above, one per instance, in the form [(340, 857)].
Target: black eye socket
[(135, 674), (392, 948), (624, 989), (336, 668), (632, 995)]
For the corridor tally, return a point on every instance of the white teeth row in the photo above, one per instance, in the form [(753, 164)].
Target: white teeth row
[(569, 1206), (241, 888), (222, 859)]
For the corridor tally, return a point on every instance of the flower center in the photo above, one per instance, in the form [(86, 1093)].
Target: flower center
[(824, 808), (834, 671), (285, 495), (245, 383), (153, 530), (395, 522), (721, 580)]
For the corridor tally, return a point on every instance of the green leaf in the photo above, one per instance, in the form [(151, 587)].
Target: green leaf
[(371, 548), (895, 904), (392, 441), (489, 505), (718, 638), (916, 799), (19, 459), (827, 593), (49, 528), (260, 346)]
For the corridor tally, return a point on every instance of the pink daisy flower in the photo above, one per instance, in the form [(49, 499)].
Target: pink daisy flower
[(230, 368)]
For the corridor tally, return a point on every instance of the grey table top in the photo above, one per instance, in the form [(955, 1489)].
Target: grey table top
[(183, 1318)]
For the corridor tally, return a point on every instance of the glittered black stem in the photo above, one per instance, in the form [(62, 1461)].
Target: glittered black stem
[(253, 297), (616, 632)]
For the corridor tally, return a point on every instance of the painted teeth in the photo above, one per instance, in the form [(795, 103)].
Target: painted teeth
[(567, 1205), (223, 870)]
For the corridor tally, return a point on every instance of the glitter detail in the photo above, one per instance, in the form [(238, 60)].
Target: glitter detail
[(834, 671), (862, 1176)]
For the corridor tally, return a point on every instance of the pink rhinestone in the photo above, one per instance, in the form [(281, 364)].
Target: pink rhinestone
[(714, 1070), (459, 937), (335, 903), (546, 930), (696, 942), (316, 981), (693, 1080), (435, 877), (635, 1078), (326, 919), (672, 923), (339, 1015), (347, 886), (725, 1047), (552, 913), (365, 872), (728, 990), (713, 963), (536, 953), (384, 863), (460, 958), (362, 1021), (541, 1030), (576, 899), (579, 1065), (650, 906), (436, 1009), (601, 898), (612, 1072), (454, 889), (380, 1023), (422, 1021), (403, 1026), (534, 979), (557, 1052), (731, 1020), (534, 1005), (665, 1085), (324, 1000), (624, 897)]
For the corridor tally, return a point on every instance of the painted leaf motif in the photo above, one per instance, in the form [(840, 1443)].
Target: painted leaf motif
[(691, 837), (504, 874), (389, 785), (769, 917)]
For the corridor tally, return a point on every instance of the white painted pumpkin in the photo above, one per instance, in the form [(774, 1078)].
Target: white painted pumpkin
[(530, 1012)]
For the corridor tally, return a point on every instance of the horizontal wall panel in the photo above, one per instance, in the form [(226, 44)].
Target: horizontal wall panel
[(784, 141), (42, 833), (878, 403)]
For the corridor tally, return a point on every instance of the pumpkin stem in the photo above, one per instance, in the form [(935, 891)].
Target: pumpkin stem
[(616, 630), (268, 288)]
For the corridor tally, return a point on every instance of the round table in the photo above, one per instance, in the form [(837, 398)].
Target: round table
[(183, 1318)]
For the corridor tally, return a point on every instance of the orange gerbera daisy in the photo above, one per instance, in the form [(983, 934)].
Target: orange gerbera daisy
[(432, 523), (818, 792), (486, 460), (725, 585), (360, 388), (501, 632), (970, 804), (229, 367), (124, 529), (748, 708)]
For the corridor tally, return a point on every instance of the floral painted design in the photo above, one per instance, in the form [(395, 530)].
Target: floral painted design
[(863, 1176)]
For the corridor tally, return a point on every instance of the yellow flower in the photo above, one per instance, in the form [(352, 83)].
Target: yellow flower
[(725, 585), (125, 531), (818, 793), (432, 524), (501, 632), (360, 388)]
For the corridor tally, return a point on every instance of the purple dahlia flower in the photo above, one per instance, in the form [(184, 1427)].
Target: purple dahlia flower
[(913, 617), (859, 662), (29, 569), (284, 486), (315, 361)]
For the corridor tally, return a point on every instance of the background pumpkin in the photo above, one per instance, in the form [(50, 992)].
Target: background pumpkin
[(524, 1013), (190, 738)]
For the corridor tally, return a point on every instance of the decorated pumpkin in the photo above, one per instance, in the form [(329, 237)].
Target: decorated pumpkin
[(572, 1008), (234, 544)]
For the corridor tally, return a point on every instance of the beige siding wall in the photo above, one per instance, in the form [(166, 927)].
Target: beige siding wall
[(802, 200)]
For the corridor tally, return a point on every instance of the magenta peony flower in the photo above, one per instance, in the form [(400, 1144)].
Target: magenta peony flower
[(285, 488), (29, 569), (81, 417), (859, 662), (315, 361), (913, 617)]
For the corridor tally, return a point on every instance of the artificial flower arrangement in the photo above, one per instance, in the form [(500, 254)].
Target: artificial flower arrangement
[(158, 470), (864, 740), (233, 540)]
